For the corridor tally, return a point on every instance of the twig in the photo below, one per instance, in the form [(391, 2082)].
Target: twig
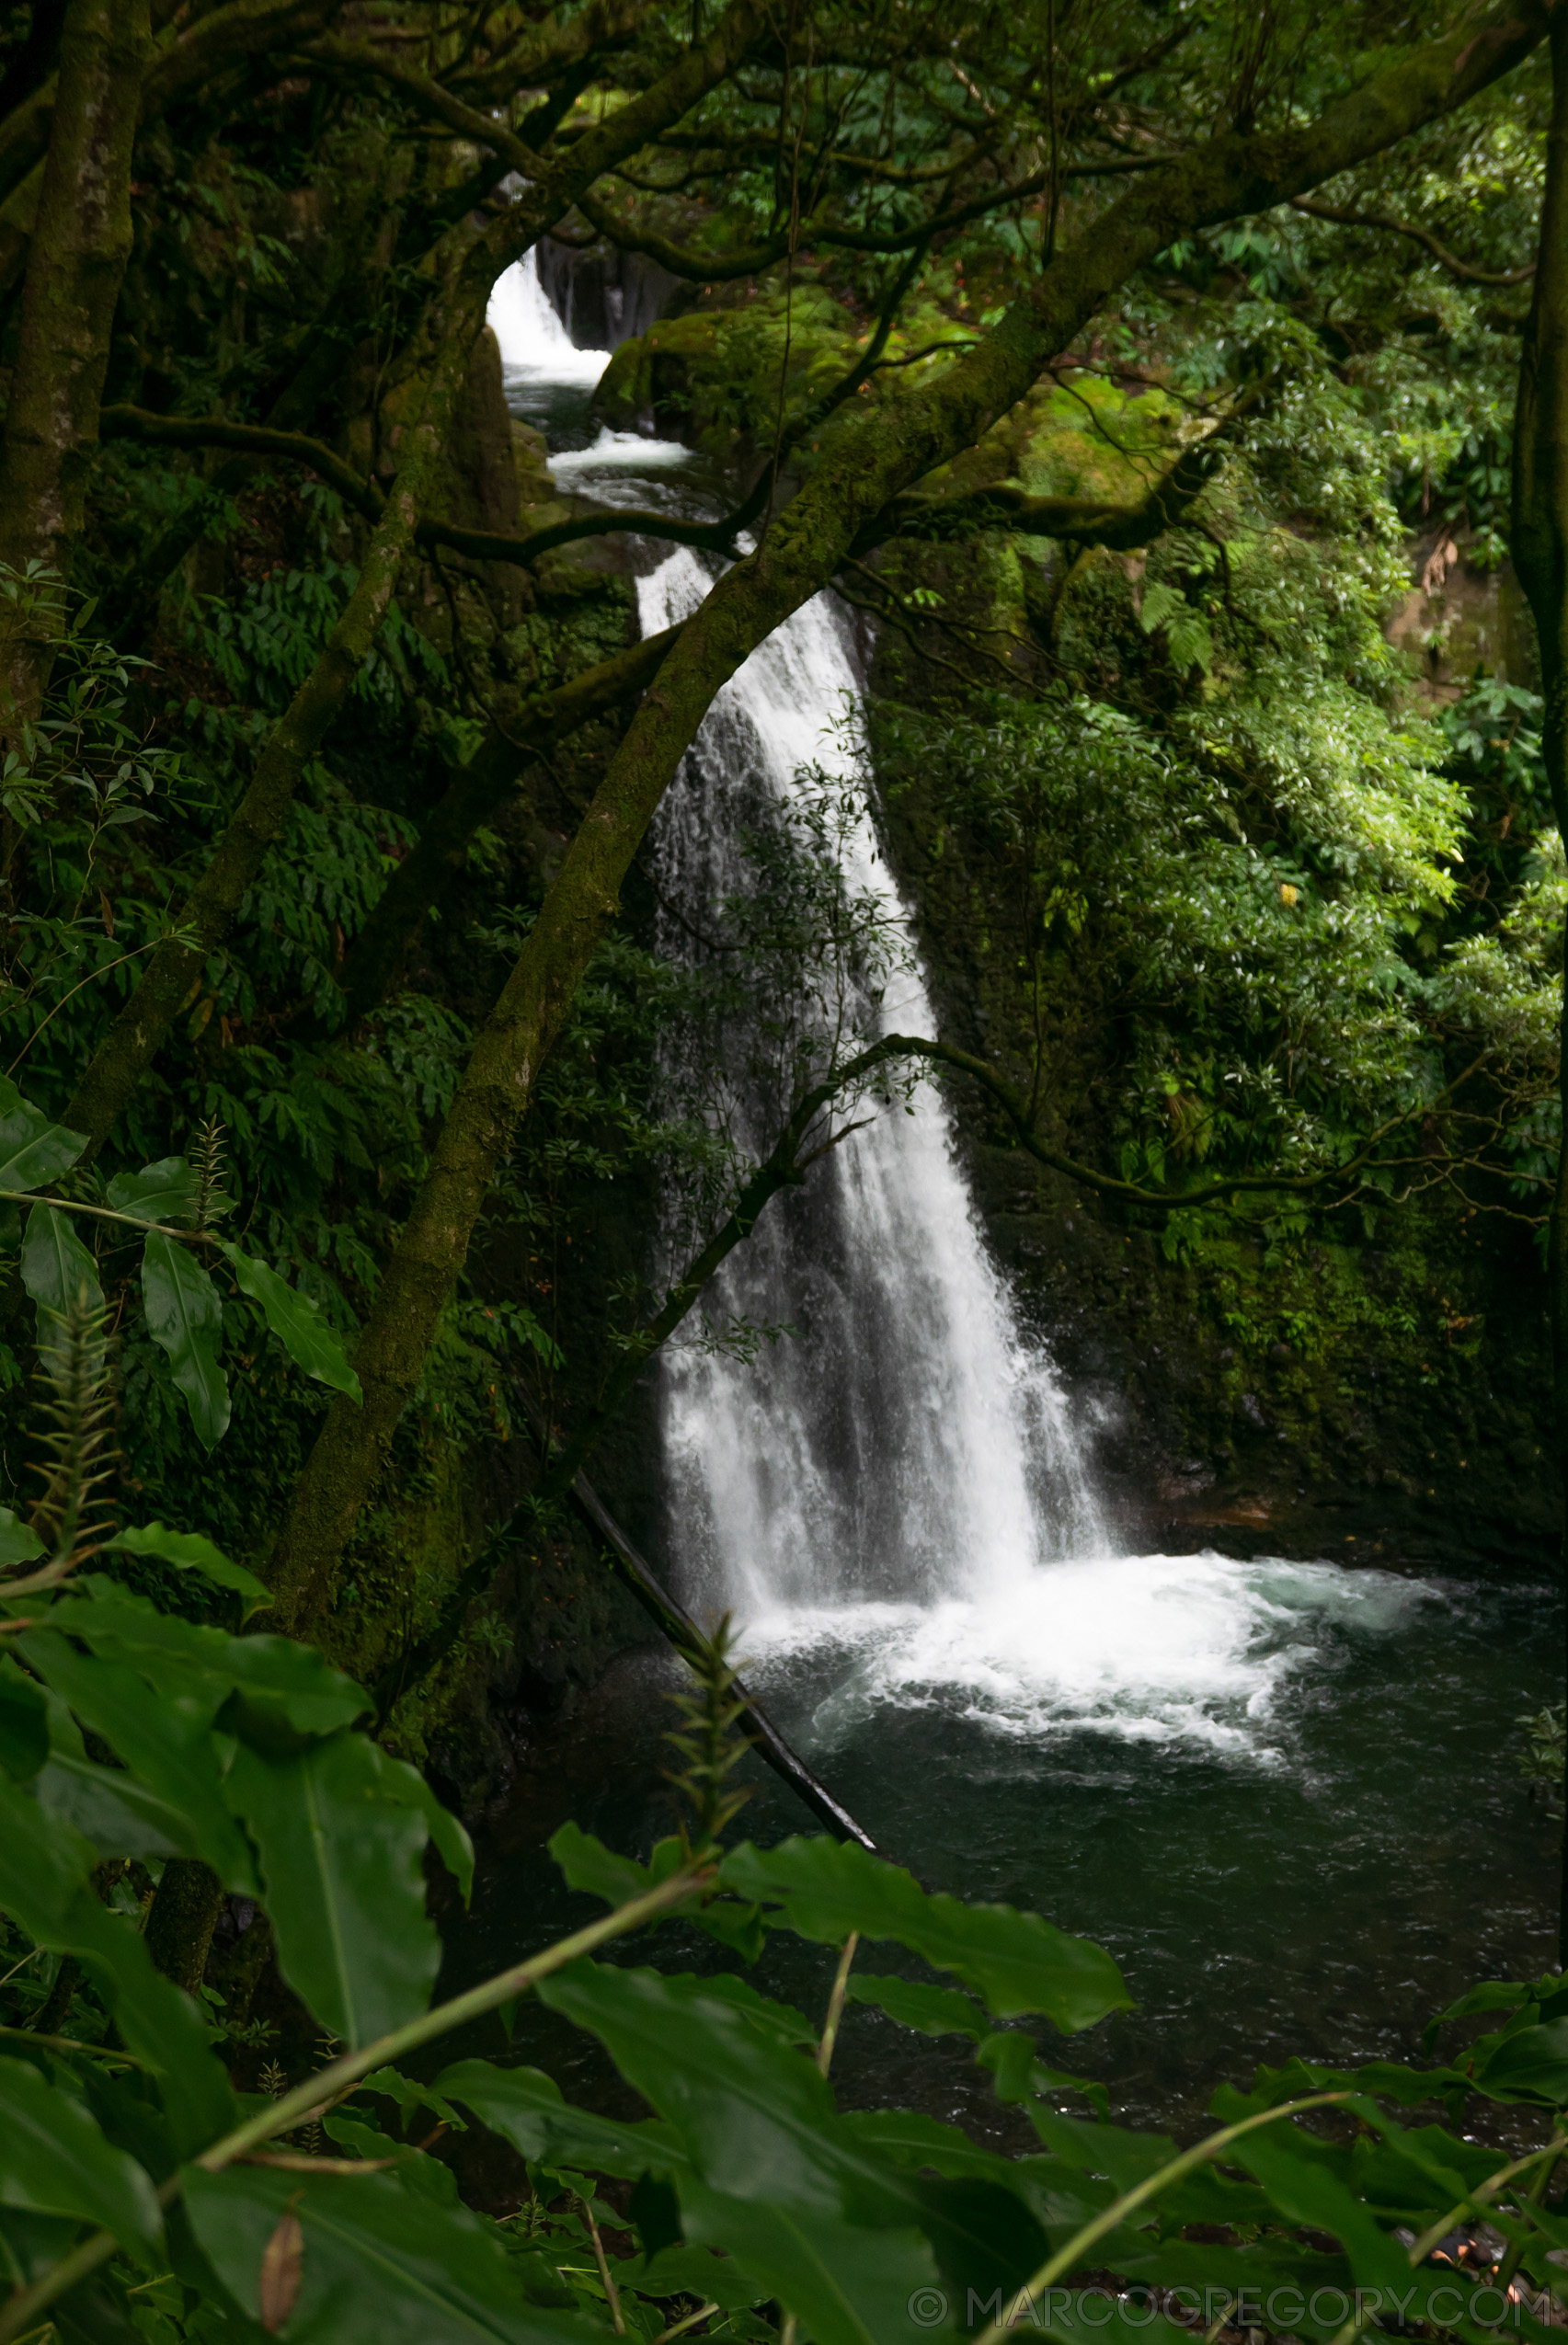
[(836, 2005), (612, 2293)]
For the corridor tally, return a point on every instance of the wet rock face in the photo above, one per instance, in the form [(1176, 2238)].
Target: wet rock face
[(602, 296), (1372, 1435)]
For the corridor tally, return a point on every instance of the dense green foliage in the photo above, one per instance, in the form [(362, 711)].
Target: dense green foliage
[(1198, 680)]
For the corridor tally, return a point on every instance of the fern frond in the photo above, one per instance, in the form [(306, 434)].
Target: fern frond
[(707, 1744), (77, 1459)]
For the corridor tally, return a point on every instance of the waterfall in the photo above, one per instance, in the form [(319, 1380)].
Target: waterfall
[(908, 1442), (876, 1496), (535, 347)]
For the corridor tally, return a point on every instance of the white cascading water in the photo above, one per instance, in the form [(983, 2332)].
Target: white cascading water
[(906, 1443), (900, 1488)]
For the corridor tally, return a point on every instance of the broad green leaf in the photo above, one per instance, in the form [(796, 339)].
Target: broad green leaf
[(379, 2265), (273, 1692), (407, 2096), (161, 1192), (57, 1270), (1296, 2171), (119, 1815), (296, 1321), (698, 2272), (186, 1320), (425, 2175), (341, 1882), (191, 1552), (46, 1888), (751, 2114), (587, 1864), (54, 2160), (1491, 1994), (32, 1149), (759, 2125), (407, 1788), (934, 2011), (1533, 2062), (1015, 1963), (24, 1723), (165, 1738), (17, 1544), (845, 2285), (525, 2108)]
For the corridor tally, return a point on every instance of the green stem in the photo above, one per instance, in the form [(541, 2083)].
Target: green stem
[(836, 2005), (106, 1213)]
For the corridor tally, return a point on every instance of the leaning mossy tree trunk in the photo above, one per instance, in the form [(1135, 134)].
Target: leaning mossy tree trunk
[(881, 455), (1541, 556), (79, 249)]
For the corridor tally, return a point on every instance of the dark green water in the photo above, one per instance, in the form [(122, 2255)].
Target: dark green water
[(1284, 1797)]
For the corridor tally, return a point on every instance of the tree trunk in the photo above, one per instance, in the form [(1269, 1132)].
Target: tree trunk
[(79, 250), (1541, 556), (182, 1920)]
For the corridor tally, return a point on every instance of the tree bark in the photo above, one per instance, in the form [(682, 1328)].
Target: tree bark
[(1539, 549), (80, 246), (805, 543), (182, 1920)]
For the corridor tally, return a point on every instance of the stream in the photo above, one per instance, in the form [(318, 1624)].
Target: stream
[(1283, 1793)]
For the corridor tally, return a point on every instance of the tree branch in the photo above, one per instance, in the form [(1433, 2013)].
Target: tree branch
[(1424, 236)]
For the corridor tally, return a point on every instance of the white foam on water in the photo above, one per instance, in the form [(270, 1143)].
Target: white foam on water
[(623, 452), (1193, 1650)]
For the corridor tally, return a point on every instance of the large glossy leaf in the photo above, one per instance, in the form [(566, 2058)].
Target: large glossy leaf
[(57, 1271), (845, 2285), (275, 1692), (296, 1321), (17, 1543), (164, 1737), (54, 2159), (699, 2273), (32, 1149), (1297, 2171), (190, 1551), (342, 1884), (759, 2127), (753, 2117), (407, 1788), (119, 1815), (934, 2011), (1015, 1963), (46, 1887), (186, 1320), (525, 2108), (378, 2265), (1532, 2062), (24, 1723), (161, 1192)]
